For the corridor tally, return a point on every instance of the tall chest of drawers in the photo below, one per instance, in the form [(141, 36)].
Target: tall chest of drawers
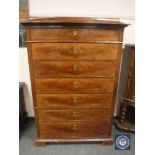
[(74, 67)]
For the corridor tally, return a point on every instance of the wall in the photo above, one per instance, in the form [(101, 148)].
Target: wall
[(123, 9), (24, 76), (93, 8)]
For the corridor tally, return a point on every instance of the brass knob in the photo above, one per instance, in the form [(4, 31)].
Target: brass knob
[(74, 126), (76, 48), (75, 84), (76, 51), (75, 33), (74, 113), (74, 99)]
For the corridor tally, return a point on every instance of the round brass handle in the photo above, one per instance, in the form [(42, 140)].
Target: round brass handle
[(75, 84), (75, 33), (74, 126), (76, 51), (74, 99), (74, 113), (76, 48)]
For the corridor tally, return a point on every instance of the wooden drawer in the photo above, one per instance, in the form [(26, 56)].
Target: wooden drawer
[(74, 51), (74, 85), (74, 100), (73, 129), (74, 69), (74, 114), (74, 34)]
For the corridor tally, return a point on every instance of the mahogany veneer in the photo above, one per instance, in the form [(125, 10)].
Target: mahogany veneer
[(74, 114), (74, 51), (74, 85), (76, 33), (74, 67), (73, 130), (74, 100)]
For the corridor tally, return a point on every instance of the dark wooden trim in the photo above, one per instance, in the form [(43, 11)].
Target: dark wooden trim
[(72, 21), (108, 142), (105, 141), (87, 25)]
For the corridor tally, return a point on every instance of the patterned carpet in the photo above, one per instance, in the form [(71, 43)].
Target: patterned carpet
[(26, 147)]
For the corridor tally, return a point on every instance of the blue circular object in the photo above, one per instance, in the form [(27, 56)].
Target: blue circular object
[(122, 142)]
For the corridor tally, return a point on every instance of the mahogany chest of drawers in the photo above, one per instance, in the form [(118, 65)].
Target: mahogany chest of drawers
[(74, 67)]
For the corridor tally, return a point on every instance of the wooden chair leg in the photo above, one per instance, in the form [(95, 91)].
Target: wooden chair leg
[(108, 142)]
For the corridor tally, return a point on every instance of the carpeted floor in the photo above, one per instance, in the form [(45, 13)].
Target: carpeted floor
[(26, 147)]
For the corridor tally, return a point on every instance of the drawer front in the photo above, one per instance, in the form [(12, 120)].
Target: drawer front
[(74, 69), (74, 114), (74, 100), (74, 51), (73, 129), (74, 34), (74, 85)]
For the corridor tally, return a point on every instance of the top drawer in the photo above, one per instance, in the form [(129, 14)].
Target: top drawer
[(74, 34)]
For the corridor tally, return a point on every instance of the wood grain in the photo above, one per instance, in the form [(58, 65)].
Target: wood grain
[(74, 100), (74, 34), (73, 129), (74, 85), (85, 21), (74, 51), (74, 69), (74, 114)]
